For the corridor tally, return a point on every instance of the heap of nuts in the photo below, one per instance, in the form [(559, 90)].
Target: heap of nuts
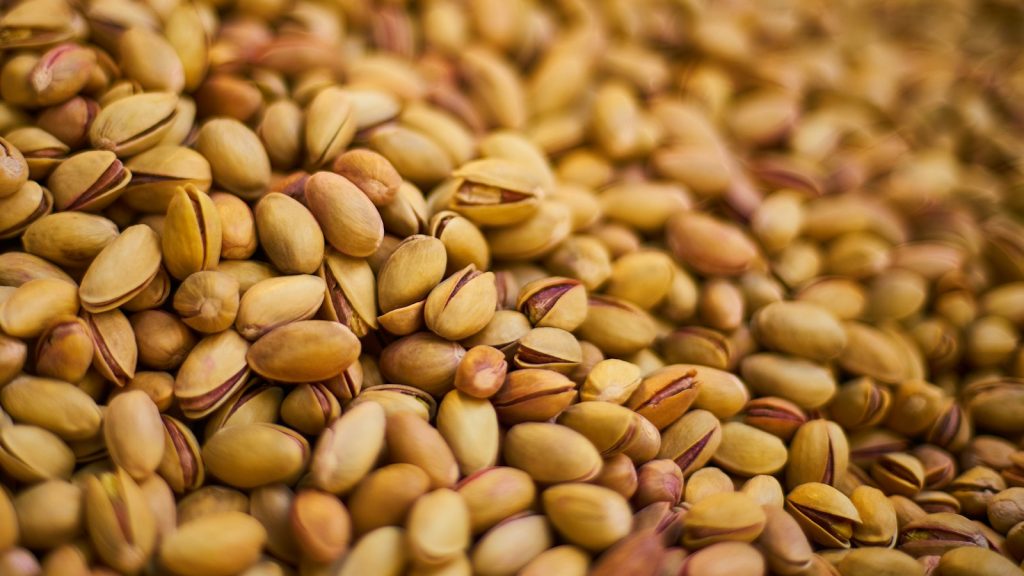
[(511, 287)]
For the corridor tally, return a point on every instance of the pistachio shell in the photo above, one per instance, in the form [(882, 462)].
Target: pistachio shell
[(121, 270), (304, 351)]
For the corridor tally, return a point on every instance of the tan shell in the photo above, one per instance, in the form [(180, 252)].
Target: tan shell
[(305, 351), (121, 270), (275, 302)]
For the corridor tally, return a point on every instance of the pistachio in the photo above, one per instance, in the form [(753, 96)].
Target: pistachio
[(20, 210), (48, 514), (350, 222), (438, 527), (495, 192), (71, 239), (309, 408), (527, 443), (232, 455), (115, 352), (134, 124), (321, 525), (121, 270), (119, 522), (463, 241), (423, 360), (615, 326), (35, 304), (462, 304), (318, 350), (613, 429), (774, 415), (191, 240), (470, 427), (32, 454), (134, 433), (181, 464), (533, 394), (412, 440), (730, 516), (350, 295), (747, 451), (385, 496), (691, 440), (237, 159), (213, 370), (935, 534), (825, 514), (289, 234), (589, 516), (219, 544), (207, 301)]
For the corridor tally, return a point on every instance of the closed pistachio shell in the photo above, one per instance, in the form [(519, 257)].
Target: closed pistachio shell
[(304, 351), (134, 433), (217, 545), (32, 306), (121, 270), (289, 234), (253, 455), (350, 222), (56, 406)]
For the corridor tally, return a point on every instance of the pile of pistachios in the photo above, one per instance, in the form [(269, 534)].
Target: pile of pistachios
[(511, 288)]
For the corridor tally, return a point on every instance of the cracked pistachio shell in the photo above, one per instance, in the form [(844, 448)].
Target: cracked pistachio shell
[(350, 222), (350, 292), (879, 525), (276, 302), (70, 239), (158, 173), (555, 302), (330, 126), (120, 523), (88, 181), (134, 433), (592, 517), (64, 351), (237, 159), (415, 267), (747, 451), (181, 464), (122, 270), (819, 452), (215, 545), (550, 348), (26, 206), (528, 446), (470, 427), (213, 370), (533, 394), (938, 533), (667, 393), (613, 429), (251, 455), (397, 398), (309, 408), (53, 405), (31, 454), (134, 124), (191, 239), (462, 304), (115, 351), (438, 527), (496, 192), (304, 351), (338, 462), (691, 440), (42, 151), (413, 440), (289, 234), (799, 328), (463, 241), (31, 307), (827, 516), (727, 516)]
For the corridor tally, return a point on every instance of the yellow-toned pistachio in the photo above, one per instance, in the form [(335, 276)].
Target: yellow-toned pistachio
[(121, 270), (53, 405), (253, 455), (382, 551), (134, 124), (411, 439), (49, 514), (385, 496), (533, 394), (309, 408), (162, 339), (120, 524), (149, 59), (615, 326), (612, 381), (554, 302), (747, 451), (134, 433), (31, 307), (709, 245), (496, 192), (18, 211), (691, 440), (462, 304), (415, 155), (32, 454), (207, 301), (533, 238), (423, 360), (481, 372), (278, 301), (237, 159), (224, 543), (527, 444), (15, 172), (69, 239), (566, 559), (898, 473), (213, 370), (878, 525), (115, 353), (182, 463), (371, 173), (330, 126), (191, 240), (470, 427), (730, 516), (338, 463), (13, 353), (304, 351), (238, 226), (825, 514), (819, 452), (665, 394), (289, 234), (350, 222), (807, 384), (438, 527), (463, 241), (321, 525), (420, 262), (613, 429)]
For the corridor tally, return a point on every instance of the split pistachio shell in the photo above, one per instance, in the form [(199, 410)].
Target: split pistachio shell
[(191, 239), (121, 270)]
